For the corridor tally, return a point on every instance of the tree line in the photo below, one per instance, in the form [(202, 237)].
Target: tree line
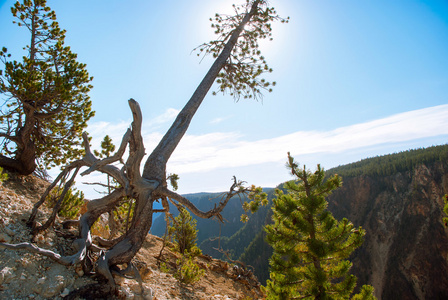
[(392, 163)]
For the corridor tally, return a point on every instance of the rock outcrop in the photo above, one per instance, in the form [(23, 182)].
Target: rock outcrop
[(404, 255)]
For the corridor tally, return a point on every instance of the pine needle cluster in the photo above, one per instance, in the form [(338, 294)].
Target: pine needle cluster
[(71, 204), (241, 76)]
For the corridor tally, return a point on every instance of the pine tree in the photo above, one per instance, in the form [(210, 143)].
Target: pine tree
[(310, 246), (46, 106), (3, 176), (184, 233), (70, 205)]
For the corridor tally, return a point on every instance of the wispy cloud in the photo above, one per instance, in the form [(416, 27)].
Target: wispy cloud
[(222, 150)]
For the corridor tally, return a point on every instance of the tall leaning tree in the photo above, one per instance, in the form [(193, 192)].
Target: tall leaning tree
[(238, 70), (45, 103)]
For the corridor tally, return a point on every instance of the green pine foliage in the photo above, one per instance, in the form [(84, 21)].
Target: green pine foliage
[(107, 148), (241, 76), (310, 246), (173, 179), (257, 199), (188, 272), (184, 234), (366, 293), (45, 103)]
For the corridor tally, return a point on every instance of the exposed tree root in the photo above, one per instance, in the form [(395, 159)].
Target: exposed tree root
[(64, 260)]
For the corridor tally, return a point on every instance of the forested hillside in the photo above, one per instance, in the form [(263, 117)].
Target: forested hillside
[(392, 163)]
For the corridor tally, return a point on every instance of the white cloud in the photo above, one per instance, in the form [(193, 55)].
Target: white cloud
[(222, 150)]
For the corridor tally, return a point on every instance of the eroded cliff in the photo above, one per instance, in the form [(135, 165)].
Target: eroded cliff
[(404, 255)]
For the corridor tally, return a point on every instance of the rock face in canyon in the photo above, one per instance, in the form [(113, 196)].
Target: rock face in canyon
[(404, 255)]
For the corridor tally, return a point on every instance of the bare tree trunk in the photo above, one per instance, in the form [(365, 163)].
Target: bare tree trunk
[(24, 161), (156, 163), (24, 164)]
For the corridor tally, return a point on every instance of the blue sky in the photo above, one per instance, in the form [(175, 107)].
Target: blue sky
[(355, 79)]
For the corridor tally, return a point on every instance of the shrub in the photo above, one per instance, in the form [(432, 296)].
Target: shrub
[(188, 271), (184, 234)]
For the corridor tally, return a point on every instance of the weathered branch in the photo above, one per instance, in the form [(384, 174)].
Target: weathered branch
[(49, 114), (215, 212), (12, 138), (108, 243), (136, 146), (227, 254), (100, 184), (34, 249), (63, 174), (109, 160), (96, 165)]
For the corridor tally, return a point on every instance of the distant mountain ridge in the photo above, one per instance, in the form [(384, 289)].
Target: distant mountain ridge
[(209, 228)]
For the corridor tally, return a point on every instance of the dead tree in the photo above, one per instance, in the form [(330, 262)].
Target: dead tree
[(238, 66)]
